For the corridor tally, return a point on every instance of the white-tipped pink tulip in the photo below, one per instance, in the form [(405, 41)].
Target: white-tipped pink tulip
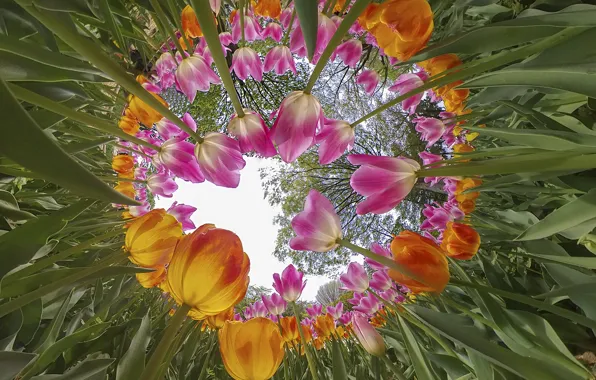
[(279, 59), (245, 62), (350, 52), (369, 79), (252, 29), (220, 159), (367, 335), (335, 138), (194, 75), (274, 31), (406, 83), (252, 133), (355, 279)]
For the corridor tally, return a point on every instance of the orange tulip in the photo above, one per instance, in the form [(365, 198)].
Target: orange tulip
[(126, 215), (379, 319), (152, 238), (123, 163), (319, 343), (216, 322), (126, 189), (324, 325), (190, 23), (142, 112), (437, 65), (339, 5), (152, 279), (251, 350), (128, 123), (268, 8), (306, 332), (209, 270), (289, 329), (423, 258), (462, 148), (467, 201), (460, 241)]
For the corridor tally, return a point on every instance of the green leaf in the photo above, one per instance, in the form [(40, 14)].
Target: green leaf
[(454, 367), (37, 152), (31, 321), (9, 208), (570, 215), (77, 147), (423, 371), (9, 328), (51, 332), (30, 237), (308, 16), (132, 363), (86, 370), (13, 362), (582, 262), (339, 367)]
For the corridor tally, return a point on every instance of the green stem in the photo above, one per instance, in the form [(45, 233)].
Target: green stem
[(157, 358), (345, 25), (241, 10), (331, 7), (176, 17), (490, 63), (289, 29), (396, 371), (84, 118), (207, 357), (205, 17), (166, 24), (112, 178), (132, 150), (309, 359), (26, 299)]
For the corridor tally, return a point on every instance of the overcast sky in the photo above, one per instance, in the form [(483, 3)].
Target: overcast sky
[(243, 211)]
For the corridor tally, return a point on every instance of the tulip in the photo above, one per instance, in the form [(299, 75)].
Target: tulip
[(324, 325), (274, 318), (299, 117), (355, 300), (167, 129), (162, 184), (380, 281), (248, 313), (289, 329), (318, 227), (194, 74), (251, 350), (286, 16), (431, 129), (307, 333), (350, 52), (369, 79), (190, 23), (151, 239), (128, 123), (390, 295), (149, 136), (368, 336), (406, 83), (220, 159), (325, 30), (143, 112), (423, 258), (252, 133), (273, 30), (218, 321), (140, 173), (136, 211), (178, 157), (252, 29), (437, 217), (123, 163), (125, 188), (279, 59), (337, 311), (379, 250), (335, 138), (151, 279), (274, 303), (245, 62), (165, 64), (385, 181), (182, 213), (427, 159), (345, 318), (209, 270), (268, 8), (369, 304), (289, 285), (314, 310), (297, 44), (215, 6), (355, 279), (467, 200), (460, 241)]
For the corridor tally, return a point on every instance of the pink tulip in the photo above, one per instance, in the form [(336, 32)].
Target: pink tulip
[(379, 250), (252, 29), (248, 313), (149, 136), (161, 184), (252, 133), (167, 129), (335, 138), (289, 285), (369, 304), (355, 300), (297, 44), (259, 309), (274, 318), (140, 173), (165, 64), (430, 129), (141, 210), (190, 122), (437, 217), (272, 30), (215, 6), (369, 79), (355, 279), (238, 317), (307, 322), (385, 181), (350, 52), (183, 213), (406, 83), (178, 156), (220, 159), (368, 336), (336, 311), (286, 16), (380, 281), (279, 59), (317, 227), (151, 87), (345, 318), (168, 79), (389, 295), (194, 75), (274, 303), (225, 38), (427, 159), (326, 29), (245, 62), (298, 118), (314, 310)]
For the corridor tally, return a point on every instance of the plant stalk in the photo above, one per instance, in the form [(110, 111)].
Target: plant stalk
[(309, 359)]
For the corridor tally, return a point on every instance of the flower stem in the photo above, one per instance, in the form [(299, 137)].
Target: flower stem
[(166, 24), (289, 29), (309, 359), (134, 151), (166, 341), (241, 10), (176, 17), (205, 17), (345, 25), (112, 178), (396, 371)]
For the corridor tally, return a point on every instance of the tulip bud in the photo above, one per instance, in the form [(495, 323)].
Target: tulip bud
[(368, 336)]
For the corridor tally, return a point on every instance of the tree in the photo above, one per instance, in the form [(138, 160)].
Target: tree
[(329, 293)]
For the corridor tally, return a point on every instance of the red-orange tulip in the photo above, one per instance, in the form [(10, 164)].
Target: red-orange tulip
[(268, 8), (152, 279), (423, 258), (467, 201), (289, 329), (460, 241), (209, 270), (123, 163), (190, 23)]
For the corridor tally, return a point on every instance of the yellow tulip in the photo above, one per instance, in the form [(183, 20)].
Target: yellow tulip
[(152, 279), (251, 350), (143, 112), (216, 322), (123, 163)]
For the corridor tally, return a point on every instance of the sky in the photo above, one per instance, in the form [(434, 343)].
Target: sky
[(245, 212)]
